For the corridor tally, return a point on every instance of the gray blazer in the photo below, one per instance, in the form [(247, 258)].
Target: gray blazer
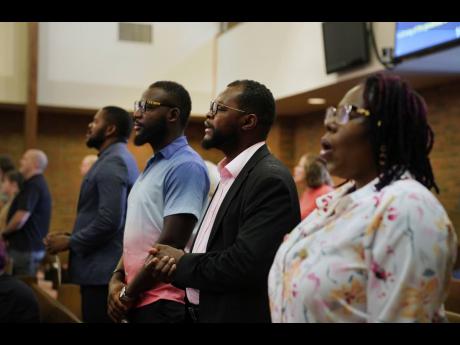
[(96, 243)]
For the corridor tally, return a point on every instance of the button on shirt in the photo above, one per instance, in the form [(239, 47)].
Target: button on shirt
[(175, 181), (228, 173)]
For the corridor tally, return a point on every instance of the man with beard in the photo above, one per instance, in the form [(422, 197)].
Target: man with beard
[(96, 241), (253, 208), (163, 207)]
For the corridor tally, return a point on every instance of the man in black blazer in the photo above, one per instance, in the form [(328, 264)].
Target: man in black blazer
[(253, 208), (96, 242)]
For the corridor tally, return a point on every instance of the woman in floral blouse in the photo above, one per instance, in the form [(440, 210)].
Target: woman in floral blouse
[(380, 248)]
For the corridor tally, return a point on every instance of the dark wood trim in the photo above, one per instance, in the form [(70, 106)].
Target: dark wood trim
[(31, 111), (45, 109)]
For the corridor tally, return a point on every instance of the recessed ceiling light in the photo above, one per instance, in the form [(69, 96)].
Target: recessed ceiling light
[(316, 101)]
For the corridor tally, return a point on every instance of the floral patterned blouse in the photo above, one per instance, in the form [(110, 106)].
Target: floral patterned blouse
[(366, 256)]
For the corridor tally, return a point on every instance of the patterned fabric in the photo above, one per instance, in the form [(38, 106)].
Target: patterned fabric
[(366, 256)]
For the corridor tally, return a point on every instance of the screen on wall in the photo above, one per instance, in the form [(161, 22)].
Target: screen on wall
[(345, 45), (413, 38)]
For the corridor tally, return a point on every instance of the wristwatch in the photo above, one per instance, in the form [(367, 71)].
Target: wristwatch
[(124, 297)]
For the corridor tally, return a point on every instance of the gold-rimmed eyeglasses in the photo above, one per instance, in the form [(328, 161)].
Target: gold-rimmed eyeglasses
[(145, 105), (343, 114), (216, 106)]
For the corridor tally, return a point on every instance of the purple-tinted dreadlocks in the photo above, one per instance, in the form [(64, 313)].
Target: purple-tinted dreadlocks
[(398, 123)]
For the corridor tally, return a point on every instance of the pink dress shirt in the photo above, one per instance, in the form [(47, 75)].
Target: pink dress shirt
[(228, 173)]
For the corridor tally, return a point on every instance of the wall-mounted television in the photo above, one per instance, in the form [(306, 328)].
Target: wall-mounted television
[(419, 38), (345, 45)]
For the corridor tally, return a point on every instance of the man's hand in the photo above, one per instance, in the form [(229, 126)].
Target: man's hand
[(116, 309), (161, 250), (56, 243), (162, 261), (160, 270)]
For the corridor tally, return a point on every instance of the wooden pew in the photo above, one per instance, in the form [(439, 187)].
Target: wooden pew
[(453, 317), (453, 298), (69, 296), (51, 310)]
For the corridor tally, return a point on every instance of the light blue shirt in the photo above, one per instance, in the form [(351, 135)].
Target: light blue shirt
[(174, 181)]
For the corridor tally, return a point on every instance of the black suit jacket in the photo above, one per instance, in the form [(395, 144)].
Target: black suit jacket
[(259, 209)]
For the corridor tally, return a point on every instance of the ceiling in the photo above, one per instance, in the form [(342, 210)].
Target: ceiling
[(430, 70)]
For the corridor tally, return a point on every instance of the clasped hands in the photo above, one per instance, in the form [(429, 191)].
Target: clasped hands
[(159, 266), (57, 242), (161, 262)]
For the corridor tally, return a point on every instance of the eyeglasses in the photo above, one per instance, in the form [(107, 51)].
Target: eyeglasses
[(216, 106), (341, 115), (145, 105)]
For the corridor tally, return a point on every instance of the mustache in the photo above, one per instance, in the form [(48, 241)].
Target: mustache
[(208, 125)]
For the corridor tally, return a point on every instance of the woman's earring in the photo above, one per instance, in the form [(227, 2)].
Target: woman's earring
[(383, 155)]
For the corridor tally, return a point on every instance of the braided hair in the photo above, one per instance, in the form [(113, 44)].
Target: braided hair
[(399, 130)]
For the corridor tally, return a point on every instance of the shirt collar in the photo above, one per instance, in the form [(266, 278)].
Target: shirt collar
[(168, 151), (233, 168), (326, 202), (111, 148)]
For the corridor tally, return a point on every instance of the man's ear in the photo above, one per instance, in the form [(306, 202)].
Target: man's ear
[(110, 130), (173, 115), (249, 122)]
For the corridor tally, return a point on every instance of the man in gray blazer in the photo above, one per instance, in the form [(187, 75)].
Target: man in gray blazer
[(96, 241)]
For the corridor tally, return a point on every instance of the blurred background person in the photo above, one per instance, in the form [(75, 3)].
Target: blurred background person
[(29, 215), (12, 183), (96, 242), (312, 181), (6, 164), (87, 163)]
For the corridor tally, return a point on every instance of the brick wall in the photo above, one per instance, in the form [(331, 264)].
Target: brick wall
[(62, 137), (444, 117)]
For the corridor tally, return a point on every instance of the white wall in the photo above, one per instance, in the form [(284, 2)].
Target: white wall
[(84, 65), (13, 62), (287, 57)]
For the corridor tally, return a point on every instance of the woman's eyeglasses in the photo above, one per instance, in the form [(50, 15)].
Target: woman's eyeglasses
[(341, 115)]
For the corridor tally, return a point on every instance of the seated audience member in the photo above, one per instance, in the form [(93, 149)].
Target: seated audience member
[(381, 248), (11, 185), (312, 180), (17, 301)]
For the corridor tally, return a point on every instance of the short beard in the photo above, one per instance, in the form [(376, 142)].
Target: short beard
[(97, 140), (217, 140), (153, 134)]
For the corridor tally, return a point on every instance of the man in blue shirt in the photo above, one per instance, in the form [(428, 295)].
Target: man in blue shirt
[(96, 242), (164, 205)]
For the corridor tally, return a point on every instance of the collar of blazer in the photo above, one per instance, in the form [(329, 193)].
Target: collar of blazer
[(234, 189)]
